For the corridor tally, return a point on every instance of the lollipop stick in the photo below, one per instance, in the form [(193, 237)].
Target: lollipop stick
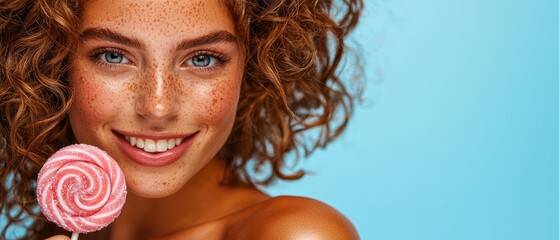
[(75, 236)]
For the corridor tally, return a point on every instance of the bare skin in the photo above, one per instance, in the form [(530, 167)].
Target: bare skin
[(158, 83), (225, 213)]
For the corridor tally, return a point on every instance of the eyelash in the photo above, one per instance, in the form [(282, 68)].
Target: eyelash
[(221, 59), (95, 56)]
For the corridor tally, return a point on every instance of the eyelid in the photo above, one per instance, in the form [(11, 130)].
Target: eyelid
[(94, 55), (220, 58)]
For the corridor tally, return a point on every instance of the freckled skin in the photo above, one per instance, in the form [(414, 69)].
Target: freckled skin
[(156, 92)]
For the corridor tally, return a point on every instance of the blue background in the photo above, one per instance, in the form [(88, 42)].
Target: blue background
[(458, 136)]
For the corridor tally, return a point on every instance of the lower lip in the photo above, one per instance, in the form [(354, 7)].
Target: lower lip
[(154, 159)]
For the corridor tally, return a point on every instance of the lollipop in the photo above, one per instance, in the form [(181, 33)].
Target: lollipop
[(81, 189)]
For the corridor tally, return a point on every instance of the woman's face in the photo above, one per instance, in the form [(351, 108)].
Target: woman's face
[(156, 85)]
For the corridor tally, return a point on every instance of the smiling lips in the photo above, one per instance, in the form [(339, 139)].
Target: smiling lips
[(150, 145), (154, 151)]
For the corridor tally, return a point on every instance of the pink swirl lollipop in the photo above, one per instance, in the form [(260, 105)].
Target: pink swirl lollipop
[(81, 188)]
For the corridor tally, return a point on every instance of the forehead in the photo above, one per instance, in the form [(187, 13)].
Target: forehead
[(166, 17)]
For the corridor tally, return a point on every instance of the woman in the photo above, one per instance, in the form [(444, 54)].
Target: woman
[(188, 96)]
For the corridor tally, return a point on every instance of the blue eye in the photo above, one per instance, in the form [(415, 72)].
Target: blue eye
[(113, 57), (202, 60)]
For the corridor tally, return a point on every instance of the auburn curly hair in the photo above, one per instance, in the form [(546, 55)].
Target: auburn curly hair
[(292, 84)]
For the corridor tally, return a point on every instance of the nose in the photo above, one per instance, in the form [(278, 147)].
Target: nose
[(157, 98)]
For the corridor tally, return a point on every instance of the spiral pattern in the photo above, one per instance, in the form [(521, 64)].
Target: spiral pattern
[(81, 188)]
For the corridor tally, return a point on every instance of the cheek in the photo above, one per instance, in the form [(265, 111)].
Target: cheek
[(219, 104), (93, 102)]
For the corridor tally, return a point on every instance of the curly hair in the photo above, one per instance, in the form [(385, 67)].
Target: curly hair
[(292, 84)]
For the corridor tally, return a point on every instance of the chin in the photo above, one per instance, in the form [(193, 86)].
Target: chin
[(153, 189), (152, 192)]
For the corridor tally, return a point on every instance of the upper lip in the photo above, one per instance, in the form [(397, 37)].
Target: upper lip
[(154, 135)]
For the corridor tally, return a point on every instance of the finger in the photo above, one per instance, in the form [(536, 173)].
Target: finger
[(58, 237)]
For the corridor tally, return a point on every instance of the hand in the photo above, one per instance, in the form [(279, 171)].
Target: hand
[(58, 237)]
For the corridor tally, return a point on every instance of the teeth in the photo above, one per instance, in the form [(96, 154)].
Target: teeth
[(170, 143), (140, 143), (161, 146), (151, 146)]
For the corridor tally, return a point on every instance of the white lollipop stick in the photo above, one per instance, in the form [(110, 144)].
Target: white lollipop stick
[(75, 236)]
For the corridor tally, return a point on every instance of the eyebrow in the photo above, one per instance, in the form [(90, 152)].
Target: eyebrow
[(109, 35), (213, 37)]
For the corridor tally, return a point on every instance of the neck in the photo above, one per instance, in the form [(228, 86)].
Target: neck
[(202, 199)]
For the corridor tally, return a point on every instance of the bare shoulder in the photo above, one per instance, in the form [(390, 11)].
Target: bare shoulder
[(288, 217)]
